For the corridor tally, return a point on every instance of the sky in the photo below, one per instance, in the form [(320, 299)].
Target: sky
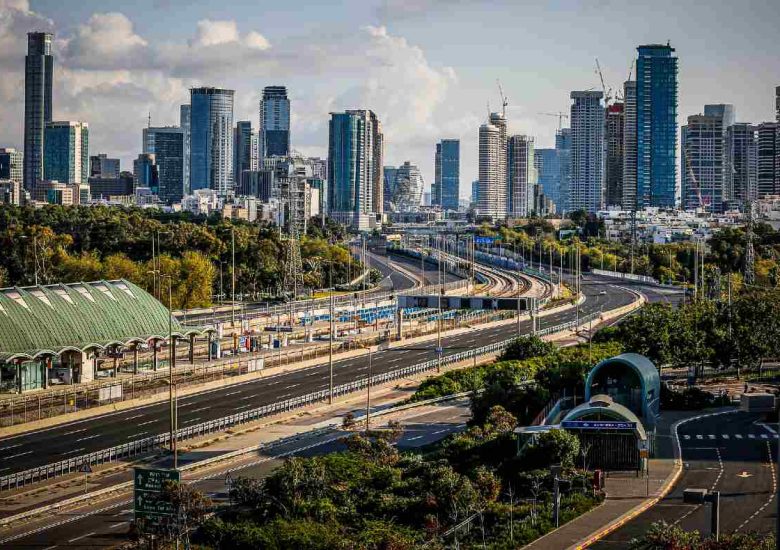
[(428, 68)]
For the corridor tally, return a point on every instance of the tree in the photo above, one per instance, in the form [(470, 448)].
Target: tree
[(525, 347), (553, 447), (661, 536)]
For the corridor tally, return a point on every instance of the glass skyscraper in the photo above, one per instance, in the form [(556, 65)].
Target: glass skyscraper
[(656, 123), (563, 148), (548, 173), (521, 176), (66, 152), (445, 191), (184, 124), (38, 70), (242, 149), (274, 122), (351, 169), (211, 140), (167, 146)]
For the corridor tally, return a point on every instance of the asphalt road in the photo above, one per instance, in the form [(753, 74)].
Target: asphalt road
[(108, 526), (50, 445), (730, 453)]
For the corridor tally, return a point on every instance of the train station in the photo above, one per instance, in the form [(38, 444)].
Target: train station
[(68, 333), (616, 421)]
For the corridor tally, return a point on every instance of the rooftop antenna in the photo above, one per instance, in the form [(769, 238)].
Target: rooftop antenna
[(149, 120), (504, 100)]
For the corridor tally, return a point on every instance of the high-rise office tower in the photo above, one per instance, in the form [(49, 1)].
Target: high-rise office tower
[(145, 173), (768, 159), (548, 172), (741, 171), (211, 140), (777, 104), (100, 166), (445, 191), (351, 171), (521, 176), (375, 145), (388, 190), (656, 123), (167, 145), (66, 151), (254, 151), (613, 166), (474, 193), (563, 150), (274, 122), (628, 200), (492, 168), (703, 152), (242, 148), (586, 189), (11, 164), (407, 189), (38, 71), (184, 124)]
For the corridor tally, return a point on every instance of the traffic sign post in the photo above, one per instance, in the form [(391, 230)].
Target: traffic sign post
[(85, 469), (148, 486)]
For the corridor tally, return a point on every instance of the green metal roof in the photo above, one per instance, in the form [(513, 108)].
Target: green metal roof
[(41, 320)]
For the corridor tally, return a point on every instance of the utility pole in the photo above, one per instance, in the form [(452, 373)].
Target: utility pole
[(171, 388), (330, 348), (368, 392)]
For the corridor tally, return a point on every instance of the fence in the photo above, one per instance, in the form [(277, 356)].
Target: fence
[(142, 446)]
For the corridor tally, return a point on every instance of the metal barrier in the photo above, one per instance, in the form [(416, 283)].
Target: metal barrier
[(142, 446)]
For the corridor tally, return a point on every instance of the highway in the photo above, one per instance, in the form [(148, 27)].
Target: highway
[(108, 526), (50, 445), (732, 453)]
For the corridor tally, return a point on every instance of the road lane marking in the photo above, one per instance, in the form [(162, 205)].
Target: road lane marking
[(439, 432), (198, 410), (146, 423), (133, 417), (725, 436), (686, 436), (772, 494), (11, 447), (711, 436), (88, 437), (139, 434), (75, 431), (191, 420), (16, 455), (249, 397), (414, 438), (738, 436), (752, 436), (73, 451), (699, 436), (117, 525), (82, 537), (764, 436)]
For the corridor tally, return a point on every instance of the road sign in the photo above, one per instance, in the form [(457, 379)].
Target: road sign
[(278, 329), (484, 240), (597, 425), (85, 468), (148, 485), (439, 350)]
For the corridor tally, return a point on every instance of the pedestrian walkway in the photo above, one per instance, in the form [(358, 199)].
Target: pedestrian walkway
[(710, 437)]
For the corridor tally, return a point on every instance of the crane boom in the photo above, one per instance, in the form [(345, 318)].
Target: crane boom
[(504, 101)]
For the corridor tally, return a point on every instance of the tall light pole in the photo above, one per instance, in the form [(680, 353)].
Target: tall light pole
[(171, 388), (368, 391), (233, 277)]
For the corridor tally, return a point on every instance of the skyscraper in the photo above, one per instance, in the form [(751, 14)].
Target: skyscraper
[(38, 75), (184, 124), (66, 152), (656, 123), (445, 191), (242, 149), (777, 104), (375, 145), (563, 149), (407, 189), (274, 122), (167, 145), (145, 173), (586, 190), (768, 156), (521, 176), (389, 187), (548, 172), (492, 168), (703, 157), (741, 170), (101, 166), (629, 201), (613, 169), (351, 170), (211, 140), (11, 164), (474, 193)]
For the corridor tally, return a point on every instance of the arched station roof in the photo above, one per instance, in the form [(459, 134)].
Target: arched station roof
[(603, 405), (51, 319), (640, 364)]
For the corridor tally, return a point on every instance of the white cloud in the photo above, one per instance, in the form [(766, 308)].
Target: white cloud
[(215, 32), (106, 41)]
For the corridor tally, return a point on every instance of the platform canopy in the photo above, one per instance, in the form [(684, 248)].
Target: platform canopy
[(48, 320)]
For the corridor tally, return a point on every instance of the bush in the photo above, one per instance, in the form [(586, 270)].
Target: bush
[(526, 347), (690, 399), (553, 447)]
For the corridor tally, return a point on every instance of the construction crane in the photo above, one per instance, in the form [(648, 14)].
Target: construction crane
[(560, 115), (607, 93), (694, 181), (504, 100), (631, 70)]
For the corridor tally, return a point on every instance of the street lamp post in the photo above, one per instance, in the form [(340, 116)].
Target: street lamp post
[(172, 393)]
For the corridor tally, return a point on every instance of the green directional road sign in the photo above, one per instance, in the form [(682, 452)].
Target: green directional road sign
[(148, 485)]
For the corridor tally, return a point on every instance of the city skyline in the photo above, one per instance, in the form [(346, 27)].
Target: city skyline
[(444, 89)]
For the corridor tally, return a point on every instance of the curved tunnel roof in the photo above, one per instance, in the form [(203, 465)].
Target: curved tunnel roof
[(604, 405), (639, 363), (51, 319)]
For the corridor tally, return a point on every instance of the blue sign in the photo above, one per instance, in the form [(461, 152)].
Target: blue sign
[(597, 425), (484, 240)]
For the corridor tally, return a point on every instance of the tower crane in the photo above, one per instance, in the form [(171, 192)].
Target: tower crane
[(694, 181), (560, 115), (504, 100), (607, 93)]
